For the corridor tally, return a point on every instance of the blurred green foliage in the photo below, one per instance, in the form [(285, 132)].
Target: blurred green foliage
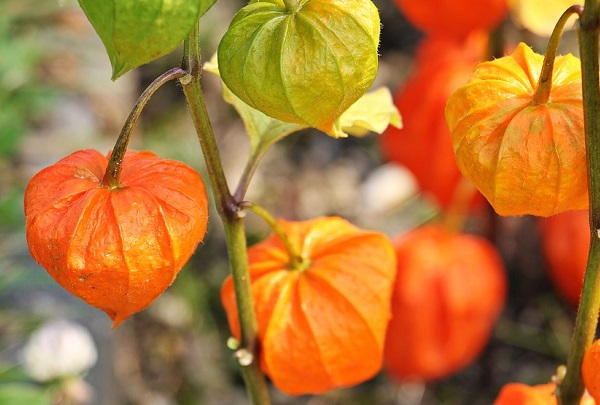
[(22, 93)]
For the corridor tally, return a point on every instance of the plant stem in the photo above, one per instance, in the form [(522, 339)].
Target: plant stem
[(571, 388), (297, 262), (544, 85), (195, 98), (229, 211), (248, 172), (113, 170)]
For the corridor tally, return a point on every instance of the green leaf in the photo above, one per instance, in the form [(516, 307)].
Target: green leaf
[(23, 394), (373, 112), (135, 32)]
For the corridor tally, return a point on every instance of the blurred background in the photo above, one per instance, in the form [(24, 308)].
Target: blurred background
[(56, 97)]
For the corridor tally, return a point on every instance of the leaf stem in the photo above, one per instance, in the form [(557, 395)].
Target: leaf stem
[(544, 85), (248, 172), (296, 259), (571, 388), (115, 163), (275, 131), (233, 222)]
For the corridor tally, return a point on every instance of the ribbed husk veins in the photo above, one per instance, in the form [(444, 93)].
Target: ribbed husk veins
[(322, 326), (117, 249), (525, 157), (305, 66)]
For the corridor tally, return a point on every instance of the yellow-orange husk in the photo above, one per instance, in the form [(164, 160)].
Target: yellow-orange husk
[(321, 327), (117, 249), (524, 157)]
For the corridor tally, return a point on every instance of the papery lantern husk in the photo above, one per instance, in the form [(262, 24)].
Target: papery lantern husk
[(449, 290), (117, 249), (304, 66), (525, 157), (423, 144), (320, 327)]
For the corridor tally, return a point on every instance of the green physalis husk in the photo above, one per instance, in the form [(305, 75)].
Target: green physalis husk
[(304, 66)]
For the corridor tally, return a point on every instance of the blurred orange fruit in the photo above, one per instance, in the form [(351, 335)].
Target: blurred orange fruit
[(543, 394), (423, 144), (590, 370), (453, 18), (565, 244), (449, 291)]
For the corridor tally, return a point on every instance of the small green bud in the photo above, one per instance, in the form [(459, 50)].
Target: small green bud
[(304, 66)]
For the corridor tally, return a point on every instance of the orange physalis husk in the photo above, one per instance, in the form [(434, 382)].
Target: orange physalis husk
[(565, 244), (423, 145), (117, 249), (590, 370), (543, 394), (321, 326), (449, 291), (453, 18), (525, 157)]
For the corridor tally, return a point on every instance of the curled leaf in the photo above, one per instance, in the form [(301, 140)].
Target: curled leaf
[(373, 112)]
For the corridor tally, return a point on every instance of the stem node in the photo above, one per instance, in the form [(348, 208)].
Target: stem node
[(228, 209)]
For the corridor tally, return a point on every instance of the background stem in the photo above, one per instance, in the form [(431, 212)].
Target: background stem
[(228, 210), (571, 388)]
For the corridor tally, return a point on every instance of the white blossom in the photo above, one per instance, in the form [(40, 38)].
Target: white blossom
[(58, 349)]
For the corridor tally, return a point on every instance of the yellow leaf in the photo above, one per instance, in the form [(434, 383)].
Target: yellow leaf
[(373, 112), (539, 16)]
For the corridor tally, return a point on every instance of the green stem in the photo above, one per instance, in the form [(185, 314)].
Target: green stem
[(571, 388), (228, 209), (195, 98), (544, 85), (113, 170), (274, 132), (248, 172), (291, 6), (296, 260)]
